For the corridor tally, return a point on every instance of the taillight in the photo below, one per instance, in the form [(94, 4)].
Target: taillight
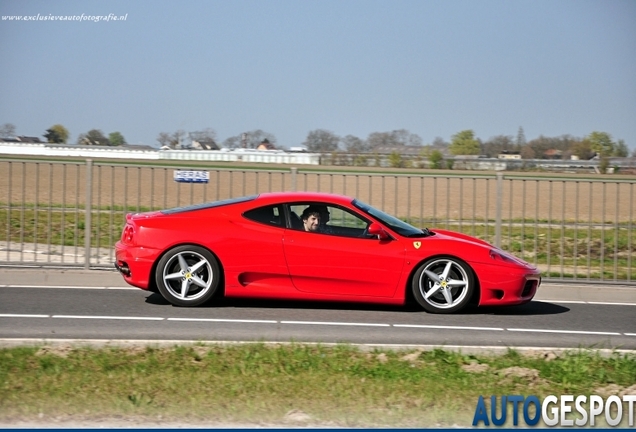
[(127, 235)]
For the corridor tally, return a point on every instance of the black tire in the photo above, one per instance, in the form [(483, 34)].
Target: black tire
[(443, 285), (188, 275)]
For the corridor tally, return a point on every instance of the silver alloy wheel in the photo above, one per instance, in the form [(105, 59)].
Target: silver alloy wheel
[(444, 284), (188, 275)]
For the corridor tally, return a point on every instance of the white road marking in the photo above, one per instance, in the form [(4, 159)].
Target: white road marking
[(611, 303), (335, 323), (23, 316), (130, 288), (564, 331), (319, 323), (224, 320), (447, 327), (108, 317)]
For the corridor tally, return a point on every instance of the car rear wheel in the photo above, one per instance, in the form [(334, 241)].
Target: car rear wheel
[(443, 285), (188, 275)]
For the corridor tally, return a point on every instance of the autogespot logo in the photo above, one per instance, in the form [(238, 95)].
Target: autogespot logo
[(560, 411)]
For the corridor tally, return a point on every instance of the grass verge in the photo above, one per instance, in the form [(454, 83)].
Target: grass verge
[(310, 385)]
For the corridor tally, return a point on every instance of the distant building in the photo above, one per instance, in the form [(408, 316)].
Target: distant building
[(205, 144), (553, 154), (405, 150), (266, 145), (23, 139), (505, 154)]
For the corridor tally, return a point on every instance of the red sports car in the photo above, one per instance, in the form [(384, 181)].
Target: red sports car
[(314, 246)]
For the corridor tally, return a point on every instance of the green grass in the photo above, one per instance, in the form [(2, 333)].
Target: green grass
[(256, 383)]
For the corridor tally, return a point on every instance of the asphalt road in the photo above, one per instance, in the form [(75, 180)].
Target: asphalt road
[(44, 305)]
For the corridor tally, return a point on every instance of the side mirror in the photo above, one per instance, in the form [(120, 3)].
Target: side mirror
[(375, 229)]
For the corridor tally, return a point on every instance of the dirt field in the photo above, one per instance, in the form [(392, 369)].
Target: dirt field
[(430, 196)]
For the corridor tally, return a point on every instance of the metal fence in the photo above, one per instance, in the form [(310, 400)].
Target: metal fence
[(70, 214)]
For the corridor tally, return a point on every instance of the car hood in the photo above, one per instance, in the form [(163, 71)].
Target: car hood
[(490, 251)]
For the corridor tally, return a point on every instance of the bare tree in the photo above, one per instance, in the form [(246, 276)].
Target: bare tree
[(393, 139), (321, 141), (251, 139), (7, 130), (353, 144), (498, 144), (232, 142), (205, 134), (172, 140), (177, 138), (164, 139)]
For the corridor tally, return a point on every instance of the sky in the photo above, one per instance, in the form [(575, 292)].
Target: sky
[(353, 67)]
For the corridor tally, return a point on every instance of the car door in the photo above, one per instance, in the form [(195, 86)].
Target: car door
[(342, 261)]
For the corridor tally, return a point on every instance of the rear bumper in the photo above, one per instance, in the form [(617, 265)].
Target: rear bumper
[(135, 264)]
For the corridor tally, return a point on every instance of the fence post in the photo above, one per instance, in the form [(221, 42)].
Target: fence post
[(499, 206), (294, 172), (87, 214)]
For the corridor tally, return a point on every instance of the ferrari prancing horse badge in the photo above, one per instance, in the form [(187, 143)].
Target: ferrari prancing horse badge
[(417, 245)]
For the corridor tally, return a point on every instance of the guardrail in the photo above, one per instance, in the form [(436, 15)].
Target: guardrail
[(70, 214)]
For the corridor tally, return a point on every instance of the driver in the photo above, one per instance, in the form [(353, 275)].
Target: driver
[(311, 219)]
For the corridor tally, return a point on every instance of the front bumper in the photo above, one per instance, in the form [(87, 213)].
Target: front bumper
[(509, 286)]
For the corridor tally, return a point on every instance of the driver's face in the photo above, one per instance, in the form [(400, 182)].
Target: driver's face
[(312, 223)]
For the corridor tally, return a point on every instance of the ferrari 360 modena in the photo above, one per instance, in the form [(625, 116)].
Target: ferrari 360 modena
[(314, 247)]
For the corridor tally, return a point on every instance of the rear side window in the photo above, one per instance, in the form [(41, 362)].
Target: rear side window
[(270, 215)]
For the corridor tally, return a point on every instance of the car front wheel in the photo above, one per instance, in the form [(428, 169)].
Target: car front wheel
[(443, 285), (187, 275)]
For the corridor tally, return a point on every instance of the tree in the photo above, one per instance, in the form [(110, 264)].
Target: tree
[(621, 149), (256, 137), (440, 144), (204, 135), (93, 137), (172, 140), (321, 141), (395, 160), (601, 143), (56, 134), (464, 143), (177, 138), (521, 138), (582, 149), (436, 158), (498, 144), (232, 142), (7, 130), (251, 139), (527, 152), (163, 139), (395, 138), (116, 139), (353, 144)]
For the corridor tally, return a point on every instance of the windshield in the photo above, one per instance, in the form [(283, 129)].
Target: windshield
[(392, 222)]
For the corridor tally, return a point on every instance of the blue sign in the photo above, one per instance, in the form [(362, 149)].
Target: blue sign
[(185, 176)]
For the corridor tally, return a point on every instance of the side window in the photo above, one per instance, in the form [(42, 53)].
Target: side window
[(332, 220), (270, 215)]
